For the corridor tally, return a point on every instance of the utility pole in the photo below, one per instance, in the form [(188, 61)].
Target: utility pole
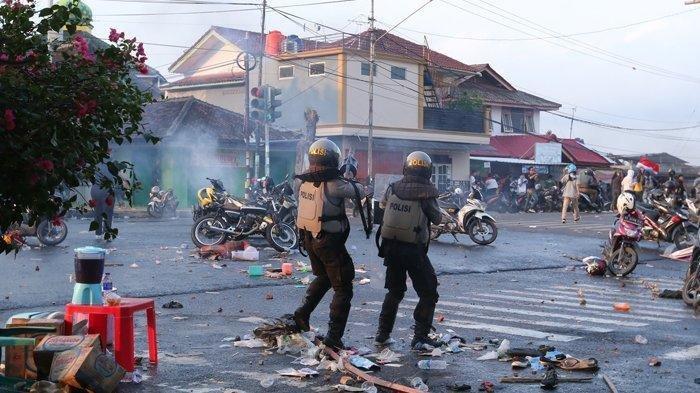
[(370, 119), (571, 127), (260, 83), (246, 119)]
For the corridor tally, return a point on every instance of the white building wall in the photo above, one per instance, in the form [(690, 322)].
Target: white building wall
[(395, 101), (536, 120)]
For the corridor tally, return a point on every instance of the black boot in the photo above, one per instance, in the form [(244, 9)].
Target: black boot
[(302, 321), (387, 317), (420, 343)]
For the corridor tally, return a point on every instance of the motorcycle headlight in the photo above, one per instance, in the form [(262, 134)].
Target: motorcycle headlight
[(631, 233)]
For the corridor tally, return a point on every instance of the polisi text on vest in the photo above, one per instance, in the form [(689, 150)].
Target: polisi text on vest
[(400, 207)]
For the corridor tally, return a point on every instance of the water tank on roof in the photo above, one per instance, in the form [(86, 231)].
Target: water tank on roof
[(293, 44), (273, 42)]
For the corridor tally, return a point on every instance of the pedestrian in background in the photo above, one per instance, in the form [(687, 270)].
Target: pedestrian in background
[(532, 179), (628, 181), (570, 193), (638, 186), (102, 201), (616, 186)]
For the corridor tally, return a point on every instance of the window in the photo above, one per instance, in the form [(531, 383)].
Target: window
[(317, 69), (518, 120), (505, 121), (364, 69), (398, 73), (286, 72), (442, 176)]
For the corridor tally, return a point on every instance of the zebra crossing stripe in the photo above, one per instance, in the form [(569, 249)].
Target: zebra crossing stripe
[(603, 290), (563, 325), (509, 330), (572, 306), (685, 354), (591, 298), (519, 311)]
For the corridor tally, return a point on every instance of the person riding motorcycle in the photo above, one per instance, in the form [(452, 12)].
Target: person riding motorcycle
[(410, 205), (324, 229)]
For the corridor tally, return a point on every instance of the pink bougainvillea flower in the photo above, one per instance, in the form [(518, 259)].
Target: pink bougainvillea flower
[(81, 45), (9, 116), (4, 56), (85, 108), (142, 68), (45, 164), (139, 50), (114, 35), (92, 203), (109, 201)]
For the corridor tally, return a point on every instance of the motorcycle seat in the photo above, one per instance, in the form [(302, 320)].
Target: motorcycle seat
[(253, 209), (648, 211)]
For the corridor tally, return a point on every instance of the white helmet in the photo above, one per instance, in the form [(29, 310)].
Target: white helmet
[(625, 202), (155, 189), (458, 191)]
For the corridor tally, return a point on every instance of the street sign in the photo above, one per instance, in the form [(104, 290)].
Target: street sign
[(548, 153), (246, 61)]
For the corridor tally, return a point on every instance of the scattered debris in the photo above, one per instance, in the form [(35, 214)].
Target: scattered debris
[(173, 304), (180, 318), (609, 383), (621, 307), (363, 363), (654, 361), (581, 297), (251, 343), (486, 386), (639, 339), (440, 318), (364, 281), (459, 387), (269, 296), (671, 294), (302, 373), (134, 265), (418, 383)]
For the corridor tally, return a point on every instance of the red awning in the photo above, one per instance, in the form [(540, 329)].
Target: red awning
[(522, 146)]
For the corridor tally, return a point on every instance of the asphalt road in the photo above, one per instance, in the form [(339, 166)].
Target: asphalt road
[(524, 288)]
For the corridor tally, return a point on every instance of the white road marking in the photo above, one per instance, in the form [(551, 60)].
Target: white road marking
[(668, 304), (564, 325), (518, 311), (589, 299), (574, 306), (607, 290), (685, 354), (509, 330)]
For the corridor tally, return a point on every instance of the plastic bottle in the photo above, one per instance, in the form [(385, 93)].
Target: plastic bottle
[(368, 387), (419, 384), (267, 382), (432, 364), (107, 282)]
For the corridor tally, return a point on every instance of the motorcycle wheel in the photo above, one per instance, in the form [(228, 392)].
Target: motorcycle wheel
[(281, 236), (691, 287), (435, 233), (623, 261), (51, 235), (153, 212), (203, 236), (483, 234), (683, 238)]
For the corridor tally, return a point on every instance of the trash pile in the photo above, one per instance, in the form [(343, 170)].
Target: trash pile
[(40, 358)]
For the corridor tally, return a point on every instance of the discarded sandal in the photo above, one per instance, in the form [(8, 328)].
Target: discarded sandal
[(550, 379), (520, 364), (573, 364), (486, 386)]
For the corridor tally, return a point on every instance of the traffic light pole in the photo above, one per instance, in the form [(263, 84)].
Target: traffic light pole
[(370, 118), (246, 122), (267, 149)]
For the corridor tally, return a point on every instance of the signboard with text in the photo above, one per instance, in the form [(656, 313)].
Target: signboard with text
[(547, 153)]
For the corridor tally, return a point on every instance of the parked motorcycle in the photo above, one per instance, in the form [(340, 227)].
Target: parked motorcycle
[(272, 215), (621, 252), (162, 202), (662, 223), (469, 218), (49, 232), (550, 200), (691, 284), (586, 203), (208, 197)]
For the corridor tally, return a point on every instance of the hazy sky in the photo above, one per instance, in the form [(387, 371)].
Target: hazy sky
[(643, 76)]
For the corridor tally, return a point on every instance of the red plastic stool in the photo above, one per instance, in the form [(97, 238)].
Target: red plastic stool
[(123, 326)]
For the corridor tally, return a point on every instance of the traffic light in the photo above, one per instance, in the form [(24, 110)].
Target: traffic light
[(257, 103), (272, 104)]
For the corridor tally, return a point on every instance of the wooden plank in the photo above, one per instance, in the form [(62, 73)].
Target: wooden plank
[(395, 387), (538, 380), (610, 384)]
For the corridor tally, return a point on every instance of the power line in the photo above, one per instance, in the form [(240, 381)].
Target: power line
[(617, 127), (574, 49), (538, 27), (620, 27)]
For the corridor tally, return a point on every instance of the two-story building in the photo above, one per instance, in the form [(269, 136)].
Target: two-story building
[(413, 89)]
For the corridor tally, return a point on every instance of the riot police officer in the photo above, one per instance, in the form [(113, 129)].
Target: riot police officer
[(324, 228), (410, 205)]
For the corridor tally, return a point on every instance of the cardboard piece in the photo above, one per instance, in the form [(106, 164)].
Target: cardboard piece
[(44, 352), (86, 368), (19, 360)]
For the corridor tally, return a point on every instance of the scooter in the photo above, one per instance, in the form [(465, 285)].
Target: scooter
[(691, 284), (162, 201), (621, 252), (470, 218), (661, 223)]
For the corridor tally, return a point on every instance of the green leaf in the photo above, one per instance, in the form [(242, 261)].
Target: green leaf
[(93, 226), (46, 12)]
